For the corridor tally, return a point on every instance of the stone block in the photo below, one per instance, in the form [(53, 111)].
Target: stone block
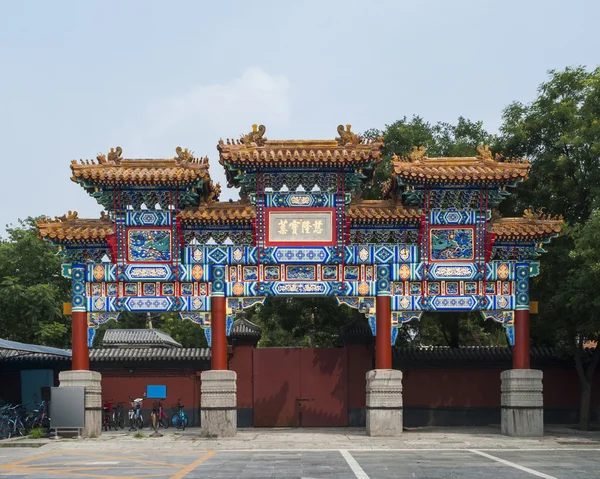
[(91, 381), (522, 403), (384, 402), (218, 403)]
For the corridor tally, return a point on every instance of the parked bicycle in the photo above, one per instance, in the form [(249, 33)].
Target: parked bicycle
[(179, 419), (162, 420), (12, 421), (118, 416), (107, 415), (136, 420), (38, 418)]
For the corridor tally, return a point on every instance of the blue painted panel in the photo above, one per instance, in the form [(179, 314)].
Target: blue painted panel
[(154, 391)]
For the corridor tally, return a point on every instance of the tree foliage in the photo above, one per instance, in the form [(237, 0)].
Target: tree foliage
[(560, 133), (32, 290)]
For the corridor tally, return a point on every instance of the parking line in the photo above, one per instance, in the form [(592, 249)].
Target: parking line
[(512, 464), (355, 466), (190, 467)]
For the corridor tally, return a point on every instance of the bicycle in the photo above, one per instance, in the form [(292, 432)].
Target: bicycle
[(136, 420), (107, 414), (179, 419), (118, 416)]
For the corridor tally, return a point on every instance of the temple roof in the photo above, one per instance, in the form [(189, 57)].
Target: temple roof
[(219, 212), (531, 225), (418, 168), (382, 211), (184, 169), (255, 149), (69, 228)]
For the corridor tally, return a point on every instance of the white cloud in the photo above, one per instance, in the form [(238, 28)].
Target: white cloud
[(198, 118)]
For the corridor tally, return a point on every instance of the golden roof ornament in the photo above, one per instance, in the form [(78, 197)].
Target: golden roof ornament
[(114, 155), (256, 137), (347, 137), (484, 152), (417, 153), (183, 155), (71, 215)]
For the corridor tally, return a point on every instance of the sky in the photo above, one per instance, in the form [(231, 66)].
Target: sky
[(79, 77)]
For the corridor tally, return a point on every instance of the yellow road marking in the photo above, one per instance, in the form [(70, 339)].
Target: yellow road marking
[(121, 458), (28, 459), (189, 468)]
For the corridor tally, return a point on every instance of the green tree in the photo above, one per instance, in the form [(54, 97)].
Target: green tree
[(306, 322), (32, 291), (560, 133)]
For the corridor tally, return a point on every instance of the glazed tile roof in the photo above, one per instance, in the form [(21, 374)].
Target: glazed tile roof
[(133, 338), (71, 228), (255, 149), (417, 168), (365, 210), (184, 169), (531, 225), (219, 212), (121, 355), (382, 210), (243, 327)]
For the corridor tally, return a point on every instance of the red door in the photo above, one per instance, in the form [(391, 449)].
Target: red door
[(276, 386), (300, 387)]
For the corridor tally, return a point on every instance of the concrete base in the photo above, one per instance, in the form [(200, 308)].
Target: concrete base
[(218, 403), (522, 403), (384, 402), (90, 380)]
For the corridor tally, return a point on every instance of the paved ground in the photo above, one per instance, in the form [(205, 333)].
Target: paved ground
[(308, 453)]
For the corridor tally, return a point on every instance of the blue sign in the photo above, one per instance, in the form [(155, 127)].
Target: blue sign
[(156, 391)]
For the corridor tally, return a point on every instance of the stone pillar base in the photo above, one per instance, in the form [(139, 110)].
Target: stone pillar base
[(522, 403), (384, 402), (90, 380), (218, 403)]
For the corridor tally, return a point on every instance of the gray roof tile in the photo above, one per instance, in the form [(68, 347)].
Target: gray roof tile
[(138, 338)]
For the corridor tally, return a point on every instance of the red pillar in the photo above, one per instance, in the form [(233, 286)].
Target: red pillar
[(81, 356), (521, 356), (218, 333), (383, 338)]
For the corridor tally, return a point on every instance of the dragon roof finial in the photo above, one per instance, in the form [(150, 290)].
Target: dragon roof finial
[(347, 136), (417, 153), (484, 152), (255, 137), (183, 155), (114, 155)]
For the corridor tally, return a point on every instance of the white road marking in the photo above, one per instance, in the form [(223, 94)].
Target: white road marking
[(419, 449), (101, 463), (355, 466), (512, 464)]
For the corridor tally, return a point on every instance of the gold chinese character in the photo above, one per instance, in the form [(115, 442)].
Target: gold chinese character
[(306, 226), (318, 227), (294, 225), (283, 227)]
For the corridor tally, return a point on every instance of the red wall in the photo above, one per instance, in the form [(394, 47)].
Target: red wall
[(183, 384), (242, 363), (360, 360), (451, 388)]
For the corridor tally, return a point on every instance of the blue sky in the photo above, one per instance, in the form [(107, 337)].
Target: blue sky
[(77, 77)]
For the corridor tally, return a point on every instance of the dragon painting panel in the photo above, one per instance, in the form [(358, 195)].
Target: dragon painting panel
[(451, 244), (148, 245)]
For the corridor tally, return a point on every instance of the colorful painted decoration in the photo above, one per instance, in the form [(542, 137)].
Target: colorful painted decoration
[(451, 244), (148, 245)]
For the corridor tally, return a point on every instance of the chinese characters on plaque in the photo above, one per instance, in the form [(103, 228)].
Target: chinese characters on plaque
[(291, 226)]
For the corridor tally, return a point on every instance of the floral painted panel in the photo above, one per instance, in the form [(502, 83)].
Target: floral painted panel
[(451, 244), (149, 246)]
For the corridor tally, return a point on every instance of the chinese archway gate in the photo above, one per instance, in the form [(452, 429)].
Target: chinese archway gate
[(300, 228)]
